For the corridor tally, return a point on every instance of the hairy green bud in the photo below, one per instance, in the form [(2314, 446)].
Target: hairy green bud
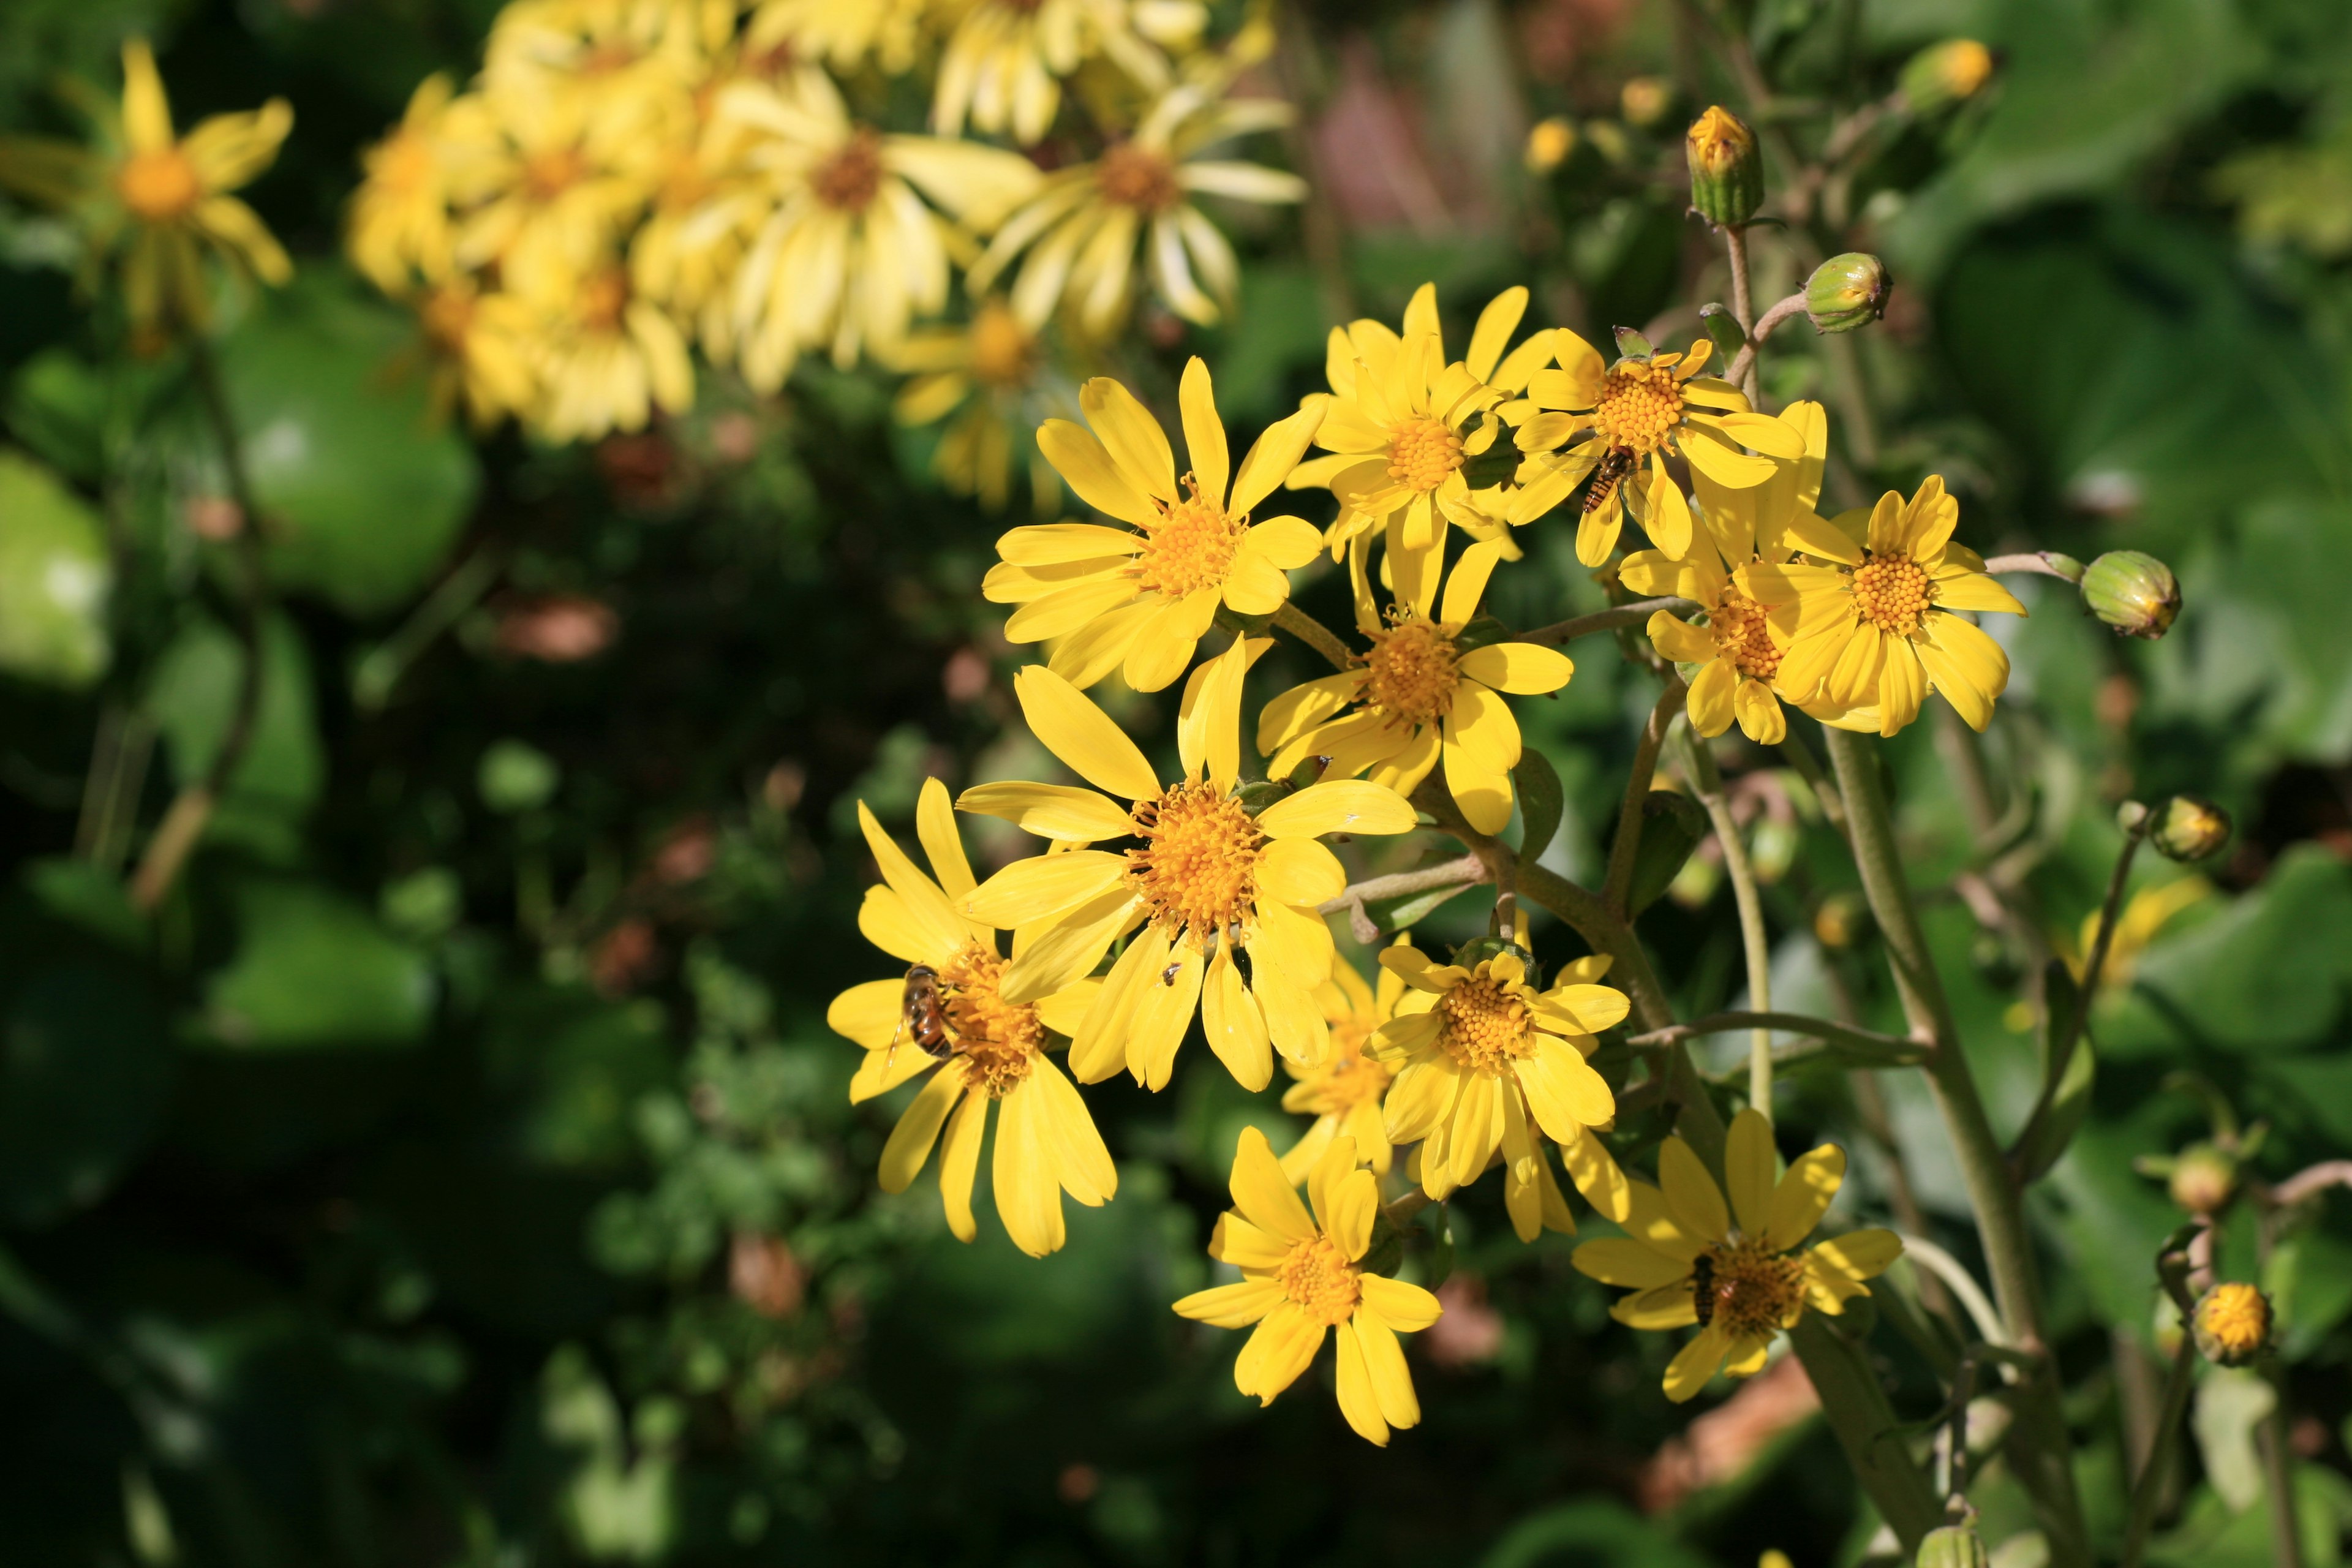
[(2133, 591), (2233, 1324), (1847, 291), (1726, 169), (2186, 828), (1942, 75)]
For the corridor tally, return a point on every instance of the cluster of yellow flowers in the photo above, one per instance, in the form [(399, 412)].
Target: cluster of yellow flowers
[(1211, 904), (628, 178)]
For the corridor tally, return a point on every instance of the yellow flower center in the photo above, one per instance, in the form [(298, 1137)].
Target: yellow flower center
[(602, 298), (2236, 1318), (1197, 871), (404, 163), (1742, 636), (1411, 672), (1348, 1077), (1190, 547), (159, 185), (1486, 1025), (549, 173), (447, 316), (997, 1039), (1422, 452), (1317, 1276), (1640, 405), (851, 179), (1744, 1288), (1132, 176), (1892, 592), (1001, 346)]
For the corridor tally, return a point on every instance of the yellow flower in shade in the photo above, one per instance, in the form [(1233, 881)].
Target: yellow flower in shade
[(479, 350), (1608, 422), (1139, 599), (1484, 1061), (543, 179), (1301, 1278), (1003, 67), (990, 380), (1221, 899), (1398, 428), (400, 224), (1343, 1091), (1736, 1270), (159, 199), (1420, 695), (848, 253), (1045, 1142), (2145, 914), (844, 34), (1877, 631), (1082, 229), (603, 358)]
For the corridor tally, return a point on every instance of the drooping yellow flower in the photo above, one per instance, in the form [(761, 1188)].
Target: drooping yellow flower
[(1627, 415), (1343, 1091), (1399, 429), (401, 228), (603, 358), (1877, 631), (1082, 227), (989, 379), (844, 34), (1301, 1277), (1140, 601), (996, 1048), (1734, 1269), (849, 252), (1003, 67), (158, 201), (1220, 898), (1484, 1061), (1420, 695)]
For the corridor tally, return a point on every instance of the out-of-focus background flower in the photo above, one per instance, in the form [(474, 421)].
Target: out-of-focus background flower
[(456, 1167)]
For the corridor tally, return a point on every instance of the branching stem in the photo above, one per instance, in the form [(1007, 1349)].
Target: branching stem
[(1615, 618), (1314, 634)]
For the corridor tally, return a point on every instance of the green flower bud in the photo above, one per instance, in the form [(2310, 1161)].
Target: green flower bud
[(2133, 591), (1942, 75), (1952, 1546), (2188, 828), (1258, 794), (1725, 170), (1847, 291), (2203, 1179), (2233, 1324), (1478, 950)]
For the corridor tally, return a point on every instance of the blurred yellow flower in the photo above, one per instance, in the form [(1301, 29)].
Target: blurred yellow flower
[(1549, 144), (2144, 915), (399, 226), (1140, 601), (1002, 66), (158, 199), (478, 347), (1419, 695), (1046, 1141), (1343, 1091), (1224, 895), (843, 34), (1733, 1269), (1877, 630), (1301, 1278), (541, 178), (603, 358), (987, 377), (1082, 227)]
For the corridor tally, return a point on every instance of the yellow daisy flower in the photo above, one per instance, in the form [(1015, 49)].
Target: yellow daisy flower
[(399, 225), (1398, 426), (1422, 693), (1484, 1061), (603, 357), (626, 66), (479, 348), (1635, 410), (1220, 898), (543, 178), (1343, 1091), (1877, 632), (1301, 1276), (844, 34), (1733, 1269), (995, 1049), (1140, 601), (989, 378), (159, 198), (1003, 67), (1082, 227), (849, 253)]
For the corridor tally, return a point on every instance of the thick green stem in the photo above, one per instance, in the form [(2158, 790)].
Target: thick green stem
[(1617, 882), (1314, 634), (1857, 1410), (2037, 1441), (2150, 1488)]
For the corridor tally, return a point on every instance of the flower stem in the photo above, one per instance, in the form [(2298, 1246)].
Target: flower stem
[(1707, 779), (1734, 245), (1857, 1407), (1613, 619), (1885, 1049), (1617, 883), (1314, 634), (2150, 1488)]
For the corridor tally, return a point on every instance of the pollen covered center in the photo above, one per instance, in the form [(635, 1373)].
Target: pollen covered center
[(1743, 636), (1422, 452), (1486, 1025), (1001, 346), (547, 175), (1348, 1079), (1132, 176), (160, 184), (1752, 1289), (1197, 871), (1409, 674), (850, 179), (1191, 546), (1640, 405), (603, 299), (1318, 1277), (1892, 592), (2236, 1317), (996, 1039)]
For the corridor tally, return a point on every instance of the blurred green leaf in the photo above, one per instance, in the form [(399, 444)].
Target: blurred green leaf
[(1589, 1531), (574, 1068), (84, 1066), (2231, 1402), (1542, 803), (516, 776), (54, 578), (312, 969), (191, 698)]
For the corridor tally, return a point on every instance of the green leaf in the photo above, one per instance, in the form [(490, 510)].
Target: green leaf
[(54, 579), (85, 1064), (313, 969), (1542, 803), (1589, 1530), (193, 694), (2230, 1404), (1673, 824)]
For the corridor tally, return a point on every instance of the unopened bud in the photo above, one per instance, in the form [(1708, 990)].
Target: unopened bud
[(1847, 291), (1839, 922), (1952, 1546), (2133, 591), (1549, 144), (1942, 75), (2203, 1179), (1484, 949), (1725, 170), (1645, 99), (2188, 828), (2233, 1324), (1258, 794)]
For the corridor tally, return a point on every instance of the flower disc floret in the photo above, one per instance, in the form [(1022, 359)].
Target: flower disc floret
[(1411, 672), (1640, 405), (1892, 592), (1753, 1289), (1197, 871), (996, 1039), (1486, 1024), (851, 178), (1317, 1277), (1191, 547), (1422, 452), (1742, 629), (160, 184), (1137, 177)]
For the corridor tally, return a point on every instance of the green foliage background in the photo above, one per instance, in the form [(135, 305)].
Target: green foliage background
[(375, 1202)]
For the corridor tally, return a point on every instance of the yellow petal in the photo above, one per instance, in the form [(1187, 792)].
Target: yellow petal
[(1974, 591), (1483, 722), (1132, 436), (1358, 1402), (1235, 1306), (1662, 1307), (1407, 1308), (1563, 1091), (1337, 805), (1597, 1176), (1068, 948), (1522, 668), (1761, 718), (1669, 522), (925, 904), (1751, 1166), (146, 113), (1100, 1048), (1204, 432), (1028, 1195), (1696, 1363), (935, 826), (1765, 434), (1803, 1196), (1064, 610), (1233, 1025), (1711, 698), (1060, 544), (1050, 810), (1468, 583), (1085, 737), (1859, 1255), (1715, 456), (868, 1013), (1292, 1020), (1086, 468), (1209, 721), (1274, 456), (1300, 871), (1029, 891), (883, 919), (1621, 1260), (1495, 324), (1481, 789), (1281, 1347), (911, 1140), (1166, 1003), (1265, 1195), (959, 1162), (1691, 1194)]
